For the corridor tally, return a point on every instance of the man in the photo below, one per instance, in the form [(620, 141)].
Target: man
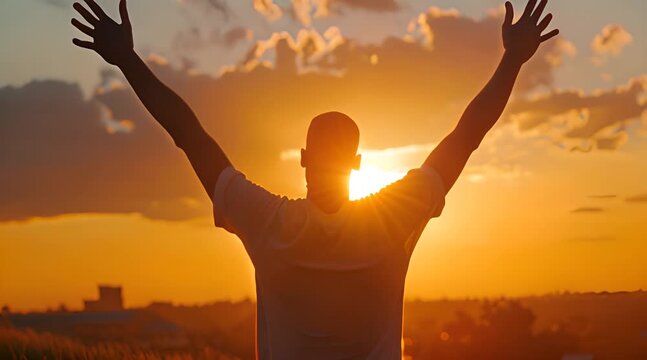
[(330, 272)]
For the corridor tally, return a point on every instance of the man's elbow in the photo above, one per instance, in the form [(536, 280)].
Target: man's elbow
[(469, 141), (189, 137)]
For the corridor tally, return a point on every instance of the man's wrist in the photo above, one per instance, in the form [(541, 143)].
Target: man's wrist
[(511, 60), (128, 59)]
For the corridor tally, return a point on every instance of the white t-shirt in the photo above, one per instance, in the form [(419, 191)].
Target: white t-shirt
[(329, 286)]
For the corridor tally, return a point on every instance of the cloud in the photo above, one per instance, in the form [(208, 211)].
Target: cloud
[(327, 7), (578, 121), (58, 156), (593, 239), (642, 198), (588, 210), (268, 9), (611, 41), (602, 196), (57, 3), (235, 35), (399, 152), (195, 38), (374, 5), (219, 6), (499, 158), (104, 154), (307, 10)]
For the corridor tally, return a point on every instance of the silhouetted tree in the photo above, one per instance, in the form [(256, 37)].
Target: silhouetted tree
[(503, 332)]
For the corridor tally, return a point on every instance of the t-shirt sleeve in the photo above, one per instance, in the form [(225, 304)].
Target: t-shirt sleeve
[(243, 208), (405, 207)]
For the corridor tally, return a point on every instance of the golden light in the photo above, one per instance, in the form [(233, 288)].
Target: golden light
[(369, 180), (444, 336)]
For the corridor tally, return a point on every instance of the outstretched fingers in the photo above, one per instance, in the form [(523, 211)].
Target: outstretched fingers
[(123, 12), (83, 28), (83, 44), (549, 35), (509, 14), (86, 14), (98, 11), (529, 8), (545, 22), (540, 9)]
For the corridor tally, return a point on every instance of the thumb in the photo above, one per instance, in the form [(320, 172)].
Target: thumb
[(509, 14), (123, 12)]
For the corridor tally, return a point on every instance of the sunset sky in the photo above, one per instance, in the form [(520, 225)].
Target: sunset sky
[(93, 191)]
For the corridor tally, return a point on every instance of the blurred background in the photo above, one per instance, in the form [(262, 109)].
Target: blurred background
[(541, 244)]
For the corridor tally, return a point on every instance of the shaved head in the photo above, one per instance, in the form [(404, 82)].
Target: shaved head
[(329, 157), (333, 137)]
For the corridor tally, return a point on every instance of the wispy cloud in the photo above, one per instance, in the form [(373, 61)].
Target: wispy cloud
[(195, 38), (295, 154), (602, 196), (58, 3), (219, 6), (593, 238), (584, 210), (642, 198)]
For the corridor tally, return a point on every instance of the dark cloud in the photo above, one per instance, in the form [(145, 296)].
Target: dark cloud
[(307, 10), (584, 210), (234, 36), (57, 156), (337, 6), (219, 5), (583, 122), (637, 199), (374, 5)]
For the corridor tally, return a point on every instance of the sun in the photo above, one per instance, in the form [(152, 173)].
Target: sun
[(369, 180)]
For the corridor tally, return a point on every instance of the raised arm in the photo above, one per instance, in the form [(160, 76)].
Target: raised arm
[(521, 40), (114, 42)]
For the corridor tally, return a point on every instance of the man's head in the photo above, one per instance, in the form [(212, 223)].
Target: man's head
[(331, 150)]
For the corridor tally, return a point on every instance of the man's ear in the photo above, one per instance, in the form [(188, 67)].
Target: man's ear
[(357, 162), (303, 158)]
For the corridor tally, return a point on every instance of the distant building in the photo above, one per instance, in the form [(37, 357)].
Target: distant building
[(110, 299)]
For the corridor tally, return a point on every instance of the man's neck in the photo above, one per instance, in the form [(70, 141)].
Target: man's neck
[(328, 201)]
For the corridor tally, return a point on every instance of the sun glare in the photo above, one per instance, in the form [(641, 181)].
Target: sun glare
[(369, 180)]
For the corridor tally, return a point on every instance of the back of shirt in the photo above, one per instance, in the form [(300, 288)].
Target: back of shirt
[(329, 286)]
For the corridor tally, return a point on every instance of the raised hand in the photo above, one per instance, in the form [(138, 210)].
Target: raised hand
[(113, 41), (522, 39)]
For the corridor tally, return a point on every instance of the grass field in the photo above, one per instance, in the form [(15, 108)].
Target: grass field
[(27, 344)]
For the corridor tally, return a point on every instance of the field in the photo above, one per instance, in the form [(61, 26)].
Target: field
[(561, 326)]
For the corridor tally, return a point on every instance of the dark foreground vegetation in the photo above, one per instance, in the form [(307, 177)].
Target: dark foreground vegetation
[(561, 326)]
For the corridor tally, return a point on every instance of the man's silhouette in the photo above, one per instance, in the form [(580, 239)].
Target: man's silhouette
[(330, 272)]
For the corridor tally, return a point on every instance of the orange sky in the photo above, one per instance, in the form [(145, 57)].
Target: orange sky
[(519, 238), (554, 200)]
